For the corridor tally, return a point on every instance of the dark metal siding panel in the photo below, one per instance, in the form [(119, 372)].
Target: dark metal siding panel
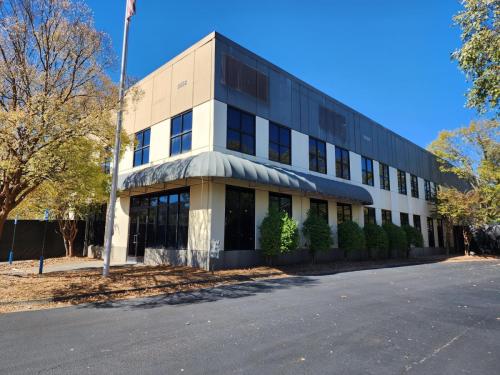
[(315, 100), (280, 98), (304, 110), (295, 122), (220, 90), (263, 107)]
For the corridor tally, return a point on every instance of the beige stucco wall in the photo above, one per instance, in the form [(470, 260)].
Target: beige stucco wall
[(120, 232)]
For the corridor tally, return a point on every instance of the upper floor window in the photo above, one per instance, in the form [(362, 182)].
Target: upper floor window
[(317, 155), (404, 219), (141, 147), (281, 202), (280, 144), (384, 176), (344, 212), (428, 190), (386, 217), (180, 133), (342, 163), (402, 182), (369, 213), (414, 186), (240, 131), (367, 170), (320, 208)]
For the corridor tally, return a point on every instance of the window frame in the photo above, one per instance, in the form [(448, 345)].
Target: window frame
[(367, 215), (414, 186), (365, 173), (402, 188), (242, 237), (240, 131), (417, 219), (384, 219), (316, 156), (141, 147), (385, 179), (343, 163), (428, 190), (279, 144), (343, 206), (430, 230), (316, 203), (281, 196), (182, 133), (404, 214)]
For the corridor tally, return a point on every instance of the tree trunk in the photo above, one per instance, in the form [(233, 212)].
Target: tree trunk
[(69, 230), (465, 233), (3, 219)]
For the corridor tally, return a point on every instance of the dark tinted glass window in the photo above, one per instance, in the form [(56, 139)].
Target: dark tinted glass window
[(367, 170), (404, 219), (402, 182), (342, 163), (281, 202), (344, 212), (317, 155), (384, 177), (180, 133), (239, 230), (141, 147), (369, 213), (320, 208), (386, 217), (416, 222), (240, 131), (414, 186), (279, 143), (430, 231), (428, 190), (440, 228)]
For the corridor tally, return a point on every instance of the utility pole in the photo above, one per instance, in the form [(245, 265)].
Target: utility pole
[(110, 217)]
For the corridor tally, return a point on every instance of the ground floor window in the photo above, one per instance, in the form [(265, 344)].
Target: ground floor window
[(386, 217), (369, 213), (416, 223), (344, 212), (404, 219), (320, 208), (281, 202), (440, 226), (239, 230), (430, 231), (158, 220)]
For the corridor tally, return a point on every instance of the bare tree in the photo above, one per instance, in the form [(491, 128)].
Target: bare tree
[(53, 90)]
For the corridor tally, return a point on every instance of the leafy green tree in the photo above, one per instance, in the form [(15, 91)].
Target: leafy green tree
[(317, 233), (473, 154), (479, 56), (413, 236), (351, 237), (54, 91), (377, 241), (279, 234), (398, 243)]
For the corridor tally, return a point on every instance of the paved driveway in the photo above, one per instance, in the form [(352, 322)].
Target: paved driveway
[(441, 318)]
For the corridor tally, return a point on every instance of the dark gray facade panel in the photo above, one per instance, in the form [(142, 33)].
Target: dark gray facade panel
[(296, 104)]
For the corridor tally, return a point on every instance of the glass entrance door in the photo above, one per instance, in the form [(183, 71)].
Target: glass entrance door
[(137, 234)]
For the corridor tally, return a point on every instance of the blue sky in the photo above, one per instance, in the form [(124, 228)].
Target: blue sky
[(387, 59)]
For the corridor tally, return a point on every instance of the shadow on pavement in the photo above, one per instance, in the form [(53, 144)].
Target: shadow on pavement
[(214, 294)]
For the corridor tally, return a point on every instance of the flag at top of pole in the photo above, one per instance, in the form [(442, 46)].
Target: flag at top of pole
[(130, 9), (110, 217)]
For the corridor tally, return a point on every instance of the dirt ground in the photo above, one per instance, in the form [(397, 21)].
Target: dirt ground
[(23, 289)]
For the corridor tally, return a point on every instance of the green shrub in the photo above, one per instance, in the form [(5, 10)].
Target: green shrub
[(317, 233), (398, 244), (279, 234), (413, 236), (377, 241), (351, 236)]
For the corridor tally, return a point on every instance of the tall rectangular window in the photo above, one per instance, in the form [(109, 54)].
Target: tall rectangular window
[(239, 230), (384, 176), (367, 170), (342, 163), (414, 186), (386, 217), (440, 228), (430, 232), (369, 213), (428, 190), (402, 182), (320, 208), (141, 147), (344, 212), (317, 155), (240, 131), (281, 202), (404, 219), (180, 133), (416, 222), (280, 143)]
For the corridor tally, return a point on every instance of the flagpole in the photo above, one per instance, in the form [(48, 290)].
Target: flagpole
[(110, 217)]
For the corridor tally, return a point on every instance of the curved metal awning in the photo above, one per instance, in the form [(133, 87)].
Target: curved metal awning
[(217, 164)]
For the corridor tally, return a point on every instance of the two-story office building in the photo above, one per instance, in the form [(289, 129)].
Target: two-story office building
[(222, 134)]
